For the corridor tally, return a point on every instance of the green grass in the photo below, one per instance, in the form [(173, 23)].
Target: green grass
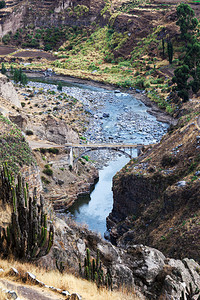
[(13, 148)]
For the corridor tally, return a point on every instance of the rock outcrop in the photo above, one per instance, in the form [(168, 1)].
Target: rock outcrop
[(157, 197), (140, 267), (8, 92)]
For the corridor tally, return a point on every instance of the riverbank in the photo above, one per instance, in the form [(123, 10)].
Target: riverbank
[(84, 112), (141, 95)]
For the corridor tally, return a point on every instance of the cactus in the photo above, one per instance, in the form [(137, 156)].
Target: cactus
[(93, 271), (27, 236), (6, 184)]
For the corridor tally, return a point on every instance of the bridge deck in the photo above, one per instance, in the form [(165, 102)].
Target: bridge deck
[(103, 145)]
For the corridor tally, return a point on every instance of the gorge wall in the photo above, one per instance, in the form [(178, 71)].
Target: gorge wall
[(157, 197)]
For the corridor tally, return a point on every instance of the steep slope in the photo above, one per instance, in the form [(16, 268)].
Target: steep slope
[(157, 197)]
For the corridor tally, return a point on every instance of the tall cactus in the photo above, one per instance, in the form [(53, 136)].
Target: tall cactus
[(94, 271), (28, 235), (6, 184)]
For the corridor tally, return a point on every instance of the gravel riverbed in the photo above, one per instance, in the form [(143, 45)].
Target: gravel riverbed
[(115, 117)]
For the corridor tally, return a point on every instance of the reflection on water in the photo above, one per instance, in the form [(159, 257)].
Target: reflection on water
[(93, 210)]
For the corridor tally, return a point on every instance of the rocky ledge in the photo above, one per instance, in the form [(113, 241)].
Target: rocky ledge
[(137, 267)]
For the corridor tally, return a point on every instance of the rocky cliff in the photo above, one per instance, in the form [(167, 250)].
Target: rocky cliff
[(8, 92), (137, 267), (157, 196)]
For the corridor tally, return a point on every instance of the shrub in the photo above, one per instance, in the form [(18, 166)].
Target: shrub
[(47, 170), (53, 150), (2, 4), (3, 69), (29, 132), (169, 161), (43, 150), (6, 39), (19, 76), (45, 180), (59, 87)]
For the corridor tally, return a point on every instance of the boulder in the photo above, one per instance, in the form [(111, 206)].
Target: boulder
[(106, 115)]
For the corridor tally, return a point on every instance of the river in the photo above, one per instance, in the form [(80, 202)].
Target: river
[(115, 117)]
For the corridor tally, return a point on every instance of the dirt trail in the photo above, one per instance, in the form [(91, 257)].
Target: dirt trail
[(26, 292)]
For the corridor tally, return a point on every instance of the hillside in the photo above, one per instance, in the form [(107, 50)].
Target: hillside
[(137, 47), (120, 43), (157, 196)]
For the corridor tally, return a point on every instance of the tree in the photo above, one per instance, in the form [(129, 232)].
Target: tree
[(186, 20), (2, 4), (191, 62), (59, 86), (181, 76), (192, 59), (11, 70), (3, 69), (163, 48), (170, 51), (19, 76)]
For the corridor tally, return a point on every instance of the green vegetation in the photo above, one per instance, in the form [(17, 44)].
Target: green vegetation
[(27, 236), (29, 132), (127, 7), (13, 148), (188, 74), (49, 150), (93, 271), (98, 53), (20, 77), (45, 180), (59, 87), (47, 39), (3, 69), (53, 150), (170, 51), (2, 4), (186, 21), (47, 170)]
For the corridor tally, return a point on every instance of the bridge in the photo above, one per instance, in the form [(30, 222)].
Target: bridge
[(125, 149)]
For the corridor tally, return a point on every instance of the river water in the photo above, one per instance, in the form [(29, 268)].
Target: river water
[(115, 117)]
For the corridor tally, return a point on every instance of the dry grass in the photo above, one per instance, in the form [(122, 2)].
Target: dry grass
[(68, 282), (3, 295)]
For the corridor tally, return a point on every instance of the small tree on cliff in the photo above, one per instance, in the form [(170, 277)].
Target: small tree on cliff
[(181, 75), (2, 4), (191, 62), (3, 69), (19, 76), (186, 21), (170, 51)]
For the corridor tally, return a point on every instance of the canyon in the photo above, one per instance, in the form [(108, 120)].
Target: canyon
[(156, 195)]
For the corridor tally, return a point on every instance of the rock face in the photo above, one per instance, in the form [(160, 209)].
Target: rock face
[(50, 128), (8, 92), (58, 132), (12, 21), (157, 198), (143, 268)]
